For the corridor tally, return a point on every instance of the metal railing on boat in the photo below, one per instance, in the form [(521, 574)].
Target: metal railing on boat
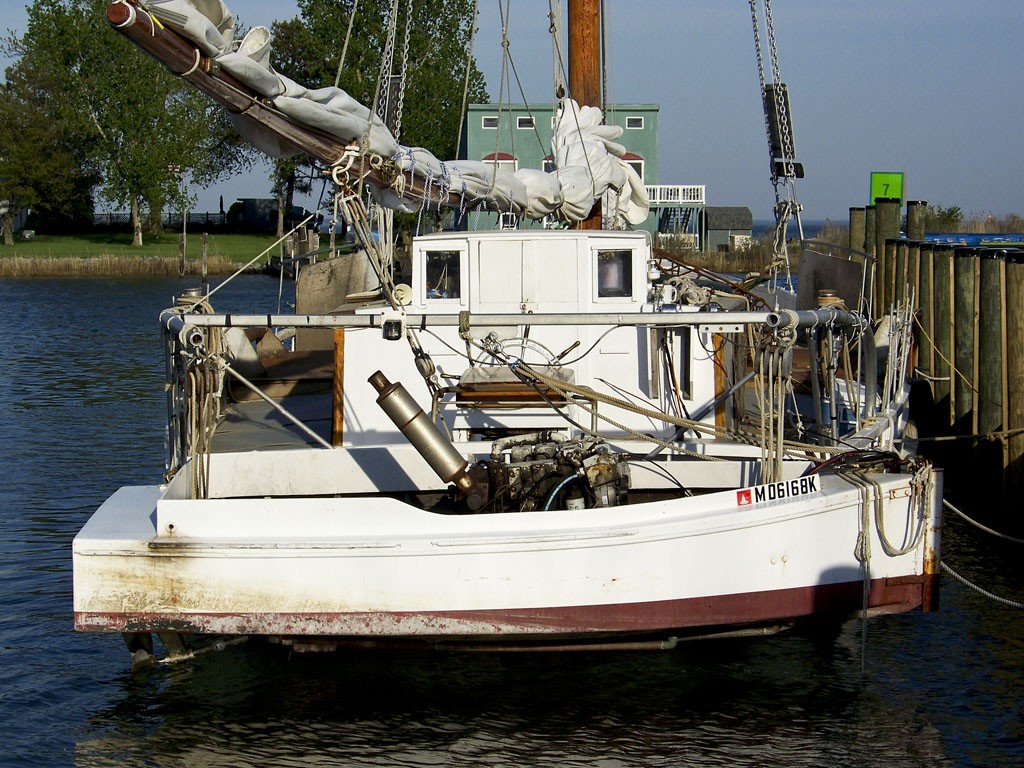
[(178, 322)]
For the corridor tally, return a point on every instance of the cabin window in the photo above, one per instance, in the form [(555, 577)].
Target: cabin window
[(634, 123), (489, 122), (524, 123), (443, 273), (614, 274)]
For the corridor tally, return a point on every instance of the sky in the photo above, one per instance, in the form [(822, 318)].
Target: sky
[(931, 88)]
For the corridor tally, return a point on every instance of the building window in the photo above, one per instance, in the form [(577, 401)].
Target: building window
[(548, 166), (635, 162), (443, 274), (489, 122), (614, 274), (524, 122), (635, 123), (503, 160)]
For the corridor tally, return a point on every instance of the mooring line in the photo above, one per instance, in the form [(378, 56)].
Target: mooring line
[(980, 590), (978, 525)]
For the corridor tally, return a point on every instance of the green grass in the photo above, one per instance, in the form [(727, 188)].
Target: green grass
[(114, 255), (234, 248)]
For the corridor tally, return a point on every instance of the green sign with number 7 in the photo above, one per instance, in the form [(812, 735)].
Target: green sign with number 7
[(886, 184)]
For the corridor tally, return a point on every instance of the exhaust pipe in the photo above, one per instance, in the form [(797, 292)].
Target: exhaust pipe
[(434, 447)]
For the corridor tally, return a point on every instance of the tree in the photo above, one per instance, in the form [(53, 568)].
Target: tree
[(939, 219), (31, 157), (139, 120), (307, 49), (45, 164)]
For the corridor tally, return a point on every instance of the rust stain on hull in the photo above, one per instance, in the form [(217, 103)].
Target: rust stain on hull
[(531, 625)]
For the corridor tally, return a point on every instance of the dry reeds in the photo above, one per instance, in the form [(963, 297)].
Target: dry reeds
[(754, 258), (107, 266)]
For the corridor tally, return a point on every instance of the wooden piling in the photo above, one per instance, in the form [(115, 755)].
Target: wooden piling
[(914, 266), (887, 227), (869, 248), (1014, 423), (965, 311), (203, 271), (991, 372), (926, 305), (916, 210), (870, 219), (942, 301), (899, 251), (857, 228), (890, 270)]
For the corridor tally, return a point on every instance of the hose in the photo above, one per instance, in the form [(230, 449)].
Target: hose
[(562, 485)]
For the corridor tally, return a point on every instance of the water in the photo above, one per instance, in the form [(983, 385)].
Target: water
[(81, 412)]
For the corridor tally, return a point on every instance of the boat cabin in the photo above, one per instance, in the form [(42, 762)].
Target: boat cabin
[(571, 273)]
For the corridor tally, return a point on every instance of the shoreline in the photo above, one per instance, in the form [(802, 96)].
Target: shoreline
[(110, 266)]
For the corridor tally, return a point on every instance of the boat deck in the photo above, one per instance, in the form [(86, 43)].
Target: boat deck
[(256, 425)]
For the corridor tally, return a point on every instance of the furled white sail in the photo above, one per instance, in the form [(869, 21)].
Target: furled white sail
[(587, 157)]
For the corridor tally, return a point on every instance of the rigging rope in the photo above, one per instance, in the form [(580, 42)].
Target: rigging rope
[(465, 82), (557, 67), (527, 372), (344, 48)]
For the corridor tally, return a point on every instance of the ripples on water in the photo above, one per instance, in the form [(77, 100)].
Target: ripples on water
[(81, 412)]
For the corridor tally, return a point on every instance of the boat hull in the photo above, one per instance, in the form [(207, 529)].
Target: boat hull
[(548, 627), (377, 570)]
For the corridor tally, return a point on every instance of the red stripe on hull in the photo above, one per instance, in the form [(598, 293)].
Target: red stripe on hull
[(526, 624)]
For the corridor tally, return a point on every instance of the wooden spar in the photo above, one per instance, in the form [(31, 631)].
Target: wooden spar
[(183, 59), (585, 70), (584, 52), (338, 389)]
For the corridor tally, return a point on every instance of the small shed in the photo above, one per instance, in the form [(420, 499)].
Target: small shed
[(726, 226), (254, 214)]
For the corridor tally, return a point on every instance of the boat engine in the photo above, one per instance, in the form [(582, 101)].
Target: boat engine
[(545, 471)]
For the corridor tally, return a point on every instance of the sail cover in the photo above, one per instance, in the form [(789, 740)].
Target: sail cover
[(588, 159)]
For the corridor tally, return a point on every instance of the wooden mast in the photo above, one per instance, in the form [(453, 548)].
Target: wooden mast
[(585, 70)]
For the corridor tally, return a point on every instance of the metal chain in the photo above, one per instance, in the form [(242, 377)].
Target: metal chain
[(785, 205), (386, 62), (405, 68), (762, 82), (780, 104)]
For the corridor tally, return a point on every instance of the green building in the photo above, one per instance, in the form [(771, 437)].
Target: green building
[(519, 136)]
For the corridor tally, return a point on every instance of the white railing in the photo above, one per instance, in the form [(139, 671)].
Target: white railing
[(676, 194)]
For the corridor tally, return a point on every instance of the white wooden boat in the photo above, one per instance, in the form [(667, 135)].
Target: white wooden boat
[(548, 439), (545, 535)]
